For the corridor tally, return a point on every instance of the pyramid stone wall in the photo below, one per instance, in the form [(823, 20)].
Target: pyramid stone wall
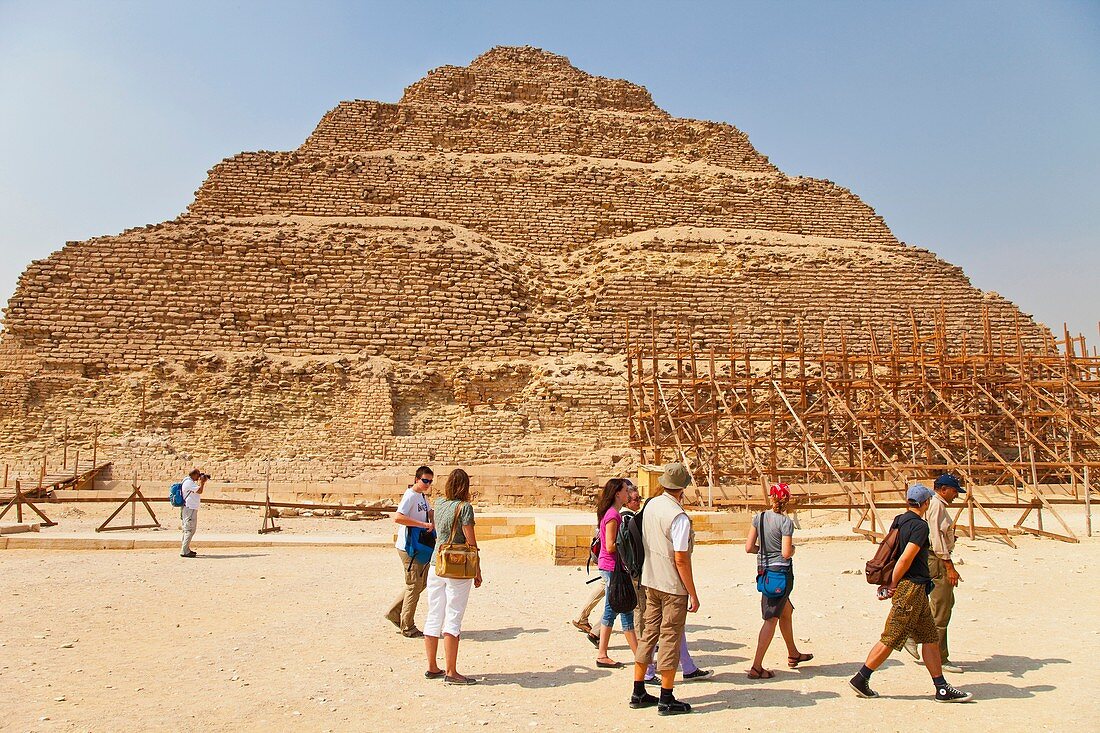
[(446, 279)]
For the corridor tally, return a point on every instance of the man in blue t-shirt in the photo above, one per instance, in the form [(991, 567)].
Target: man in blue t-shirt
[(910, 613), (413, 511)]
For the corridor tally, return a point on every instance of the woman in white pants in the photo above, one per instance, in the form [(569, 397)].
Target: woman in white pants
[(447, 597)]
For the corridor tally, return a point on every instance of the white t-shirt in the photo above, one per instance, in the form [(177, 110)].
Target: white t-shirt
[(680, 533), (414, 505), (191, 497)]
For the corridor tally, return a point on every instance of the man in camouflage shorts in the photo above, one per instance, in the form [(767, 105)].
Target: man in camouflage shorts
[(910, 616), (910, 612)]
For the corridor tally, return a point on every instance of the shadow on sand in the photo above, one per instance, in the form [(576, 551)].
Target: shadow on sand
[(984, 691), (571, 675), (1013, 666), (711, 645), (510, 632), (237, 556), (757, 697)]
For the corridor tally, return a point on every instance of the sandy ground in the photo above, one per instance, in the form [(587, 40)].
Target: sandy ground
[(293, 639)]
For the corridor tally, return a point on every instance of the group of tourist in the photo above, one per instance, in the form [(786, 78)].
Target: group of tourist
[(437, 547), (921, 588)]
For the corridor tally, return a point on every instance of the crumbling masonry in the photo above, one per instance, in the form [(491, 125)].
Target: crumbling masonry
[(446, 278)]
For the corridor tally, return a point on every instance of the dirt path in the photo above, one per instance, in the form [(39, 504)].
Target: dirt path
[(280, 639)]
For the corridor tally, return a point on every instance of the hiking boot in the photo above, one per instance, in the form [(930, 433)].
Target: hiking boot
[(676, 707), (912, 648), (947, 693), (862, 686), (643, 701)]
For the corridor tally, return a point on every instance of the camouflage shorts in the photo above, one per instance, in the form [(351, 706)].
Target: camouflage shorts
[(910, 616)]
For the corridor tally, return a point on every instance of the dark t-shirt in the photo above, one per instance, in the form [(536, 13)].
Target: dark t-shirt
[(911, 528)]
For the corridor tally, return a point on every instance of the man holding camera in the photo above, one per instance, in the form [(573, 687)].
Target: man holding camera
[(192, 497)]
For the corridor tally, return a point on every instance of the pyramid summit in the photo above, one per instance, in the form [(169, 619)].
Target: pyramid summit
[(529, 76), (447, 278)]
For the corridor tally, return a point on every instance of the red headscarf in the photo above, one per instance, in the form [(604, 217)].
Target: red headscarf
[(780, 491)]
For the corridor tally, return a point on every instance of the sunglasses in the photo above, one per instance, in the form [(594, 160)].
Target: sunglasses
[(425, 480)]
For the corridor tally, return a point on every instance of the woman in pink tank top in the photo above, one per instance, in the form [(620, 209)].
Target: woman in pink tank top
[(612, 497)]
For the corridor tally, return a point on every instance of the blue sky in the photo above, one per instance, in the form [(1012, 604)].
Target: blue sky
[(973, 128)]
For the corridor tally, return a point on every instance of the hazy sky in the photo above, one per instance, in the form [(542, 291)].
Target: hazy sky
[(973, 128)]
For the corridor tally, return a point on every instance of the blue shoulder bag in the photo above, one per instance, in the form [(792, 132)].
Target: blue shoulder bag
[(772, 583), (419, 545)]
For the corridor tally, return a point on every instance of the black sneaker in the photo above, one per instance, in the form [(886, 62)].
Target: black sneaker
[(947, 693), (862, 686), (190, 554), (643, 701), (654, 680), (676, 707)]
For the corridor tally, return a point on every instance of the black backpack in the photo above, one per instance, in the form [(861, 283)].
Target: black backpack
[(620, 592), (629, 541)]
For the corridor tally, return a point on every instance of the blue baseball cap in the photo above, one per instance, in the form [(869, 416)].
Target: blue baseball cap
[(918, 494), (948, 481)]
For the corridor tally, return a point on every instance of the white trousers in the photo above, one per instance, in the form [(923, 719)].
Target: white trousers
[(447, 599)]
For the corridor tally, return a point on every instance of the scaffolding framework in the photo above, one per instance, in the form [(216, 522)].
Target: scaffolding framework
[(1019, 425)]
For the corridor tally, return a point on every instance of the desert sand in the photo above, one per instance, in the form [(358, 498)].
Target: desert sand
[(293, 639)]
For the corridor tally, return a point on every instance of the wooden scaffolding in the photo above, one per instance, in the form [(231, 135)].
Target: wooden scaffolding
[(851, 428)]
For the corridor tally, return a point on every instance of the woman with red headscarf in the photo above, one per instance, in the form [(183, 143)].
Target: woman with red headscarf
[(771, 539)]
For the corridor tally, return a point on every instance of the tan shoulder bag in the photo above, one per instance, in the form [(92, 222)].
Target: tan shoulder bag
[(456, 559)]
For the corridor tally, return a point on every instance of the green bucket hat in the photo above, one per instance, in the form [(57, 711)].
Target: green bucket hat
[(675, 477)]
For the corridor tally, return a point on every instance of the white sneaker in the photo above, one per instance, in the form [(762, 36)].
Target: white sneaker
[(911, 647), (952, 668)]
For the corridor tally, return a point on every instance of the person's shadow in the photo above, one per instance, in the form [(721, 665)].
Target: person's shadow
[(986, 691), (205, 556), (510, 632), (810, 669), (760, 696), (1013, 666), (693, 628), (712, 645), (572, 675)]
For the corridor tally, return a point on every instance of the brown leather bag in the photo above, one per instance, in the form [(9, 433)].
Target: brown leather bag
[(456, 559), (880, 568)]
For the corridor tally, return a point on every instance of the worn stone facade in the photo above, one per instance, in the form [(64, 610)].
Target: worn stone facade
[(446, 279)]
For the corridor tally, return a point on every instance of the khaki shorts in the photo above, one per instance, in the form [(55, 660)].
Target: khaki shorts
[(910, 616), (665, 618)]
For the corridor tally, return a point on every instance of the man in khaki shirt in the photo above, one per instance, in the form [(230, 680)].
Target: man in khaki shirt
[(941, 568)]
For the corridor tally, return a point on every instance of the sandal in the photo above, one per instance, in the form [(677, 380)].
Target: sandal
[(582, 627), (759, 673), (459, 680), (793, 662), (609, 664)]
